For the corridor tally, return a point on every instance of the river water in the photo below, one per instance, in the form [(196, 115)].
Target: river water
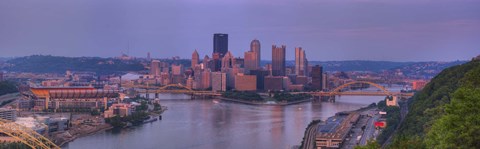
[(214, 124)]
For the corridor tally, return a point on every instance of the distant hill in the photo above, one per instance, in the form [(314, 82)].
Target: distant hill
[(359, 65), (427, 69), (378, 66), (445, 114), (58, 64)]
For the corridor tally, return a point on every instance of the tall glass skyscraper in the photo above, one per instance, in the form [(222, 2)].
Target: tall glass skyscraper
[(220, 44)]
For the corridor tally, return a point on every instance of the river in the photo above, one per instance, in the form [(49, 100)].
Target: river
[(208, 124)]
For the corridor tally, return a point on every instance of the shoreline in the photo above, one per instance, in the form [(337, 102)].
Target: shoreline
[(74, 137), (103, 128), (263, 103)]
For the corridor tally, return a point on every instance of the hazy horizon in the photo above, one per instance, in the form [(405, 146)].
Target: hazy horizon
[(375, 30)]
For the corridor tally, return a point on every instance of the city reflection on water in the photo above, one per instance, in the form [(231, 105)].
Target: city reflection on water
[(215, 124)]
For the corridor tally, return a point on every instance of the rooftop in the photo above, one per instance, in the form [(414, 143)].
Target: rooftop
[(337, 127)]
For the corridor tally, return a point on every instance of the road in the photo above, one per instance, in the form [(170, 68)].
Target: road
[(369, 130), (351, 140), (310, 137), (9, 97)]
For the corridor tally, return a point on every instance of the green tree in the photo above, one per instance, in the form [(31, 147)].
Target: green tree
[(369, 145), (459, 127)]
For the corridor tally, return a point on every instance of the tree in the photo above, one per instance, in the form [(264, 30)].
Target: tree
[(369, 145), (458, 128)]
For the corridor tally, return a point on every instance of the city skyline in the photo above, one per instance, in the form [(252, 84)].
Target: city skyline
[(331, 30)]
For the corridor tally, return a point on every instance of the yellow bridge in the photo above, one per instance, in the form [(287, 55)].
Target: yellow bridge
[(338, 91), (180, 89), (176, 89), (26, 135)]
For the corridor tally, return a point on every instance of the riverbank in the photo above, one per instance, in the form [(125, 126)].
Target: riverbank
[(87, 129), (264, 103), (74, 133)]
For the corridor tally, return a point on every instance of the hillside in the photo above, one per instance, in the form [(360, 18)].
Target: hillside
[(440, 114), (58, 64)]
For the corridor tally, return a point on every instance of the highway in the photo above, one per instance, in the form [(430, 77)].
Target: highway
[(369, 130), (310, 137)]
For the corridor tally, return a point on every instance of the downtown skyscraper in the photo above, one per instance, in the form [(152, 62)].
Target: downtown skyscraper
[(255, 48), (195, 59), (301, 62), (220, 44), (317, 77), (252, 57), (278, 60)]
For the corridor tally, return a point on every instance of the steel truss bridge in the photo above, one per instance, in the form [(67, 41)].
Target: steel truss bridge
[(25, 135), (178, 89), (338, 91)]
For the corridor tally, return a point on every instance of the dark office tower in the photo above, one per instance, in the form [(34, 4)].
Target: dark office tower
[(255, 48), (220, 44), (195, 59), (317, 77), (278, 60)]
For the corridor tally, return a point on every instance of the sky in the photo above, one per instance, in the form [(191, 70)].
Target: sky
[(403, 30)]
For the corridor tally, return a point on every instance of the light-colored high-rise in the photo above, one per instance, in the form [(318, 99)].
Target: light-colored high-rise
[(219, 81), (177, 69), (245, 82), (205, 62), (301, 63), (228, 61), (195, 59), (250, 61), (155, 68), (255, 47)]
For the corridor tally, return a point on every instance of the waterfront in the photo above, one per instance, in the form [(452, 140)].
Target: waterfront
[(207, 124)]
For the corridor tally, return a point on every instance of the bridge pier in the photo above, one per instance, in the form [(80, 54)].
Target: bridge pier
[(317, 99), (331, 99)]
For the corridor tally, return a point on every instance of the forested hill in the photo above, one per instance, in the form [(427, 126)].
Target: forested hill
[(446, 113), (58, 64)]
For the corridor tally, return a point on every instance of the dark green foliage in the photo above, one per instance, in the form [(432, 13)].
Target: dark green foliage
[(393, 120), (157, 107), (95, 112), (248, 96), (58, 64), (7, 87), (459, 127), (135, 118), (369, 145), (426, 104), (449, 122), (284, 96), (143, 106)]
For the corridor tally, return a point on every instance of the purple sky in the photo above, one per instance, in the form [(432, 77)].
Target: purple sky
[(403, 30)]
